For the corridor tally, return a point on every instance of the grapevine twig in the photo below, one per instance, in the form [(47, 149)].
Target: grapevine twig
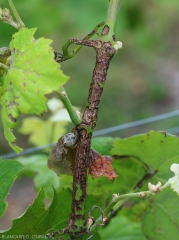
[(105, 50), (67, 54)]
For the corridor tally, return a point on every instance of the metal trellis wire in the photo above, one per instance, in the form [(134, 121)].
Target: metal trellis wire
[(106, 131)]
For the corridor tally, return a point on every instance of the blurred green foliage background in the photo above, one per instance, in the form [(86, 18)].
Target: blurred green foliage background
[(143, 79)]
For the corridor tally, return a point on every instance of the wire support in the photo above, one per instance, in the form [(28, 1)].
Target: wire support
[(106, 131)]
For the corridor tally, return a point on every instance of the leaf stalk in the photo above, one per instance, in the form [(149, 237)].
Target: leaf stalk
[(19, 20), (74, 115)]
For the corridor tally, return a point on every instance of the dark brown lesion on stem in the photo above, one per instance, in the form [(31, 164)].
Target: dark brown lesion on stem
[(104, 54), (105, 30)]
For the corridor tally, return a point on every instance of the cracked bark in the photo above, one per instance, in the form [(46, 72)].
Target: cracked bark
[(104, 54)]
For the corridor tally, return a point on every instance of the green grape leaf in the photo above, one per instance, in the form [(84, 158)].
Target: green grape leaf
[(137, 211), (9, 170), (161, 219), (37, 220), (36, 167), (103, 145), (156, 149), (121, 228), (159, 151), (32, 74)]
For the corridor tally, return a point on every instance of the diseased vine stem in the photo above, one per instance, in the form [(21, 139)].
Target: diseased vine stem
[(105, 52)]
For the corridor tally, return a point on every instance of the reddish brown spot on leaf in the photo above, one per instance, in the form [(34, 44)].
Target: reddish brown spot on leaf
[(101, 166)]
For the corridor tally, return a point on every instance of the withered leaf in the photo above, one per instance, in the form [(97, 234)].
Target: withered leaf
[(101, 166), (62, 158)]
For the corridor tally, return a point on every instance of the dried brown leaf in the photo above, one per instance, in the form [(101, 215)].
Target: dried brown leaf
[(101, 166), (62, 158)]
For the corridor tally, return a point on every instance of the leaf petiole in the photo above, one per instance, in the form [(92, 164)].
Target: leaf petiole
[(19, 20), (74, 115)]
